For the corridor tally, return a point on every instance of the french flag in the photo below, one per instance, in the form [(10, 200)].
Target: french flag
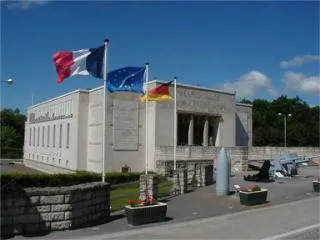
[(81, 62)]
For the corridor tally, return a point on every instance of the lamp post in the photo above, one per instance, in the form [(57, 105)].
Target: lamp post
[(285, 127), (9, 81)]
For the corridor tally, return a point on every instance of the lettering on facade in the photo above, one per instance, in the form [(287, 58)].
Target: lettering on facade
[(46, 117), (125, 125), (202, 101)]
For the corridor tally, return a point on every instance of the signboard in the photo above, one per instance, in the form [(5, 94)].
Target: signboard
[(125, 125)]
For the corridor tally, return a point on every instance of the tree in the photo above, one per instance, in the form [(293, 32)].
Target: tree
[(12, 132), (268, 127)]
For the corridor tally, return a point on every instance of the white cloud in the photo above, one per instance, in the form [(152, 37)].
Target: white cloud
[(302, 83), (25, 4), (299, 61), (249, 84)]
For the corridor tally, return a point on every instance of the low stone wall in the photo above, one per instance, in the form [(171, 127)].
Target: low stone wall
[(199, 173), (240, 156), (36, 210)]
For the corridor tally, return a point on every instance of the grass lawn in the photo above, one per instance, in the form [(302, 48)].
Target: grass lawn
[(121, 195)]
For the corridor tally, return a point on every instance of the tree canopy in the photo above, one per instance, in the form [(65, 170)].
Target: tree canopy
[(12, 133), (268, 126)]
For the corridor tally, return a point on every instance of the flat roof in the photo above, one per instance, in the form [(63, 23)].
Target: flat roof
[(194, 87), (64, 95), (152, 81), (244, 104)]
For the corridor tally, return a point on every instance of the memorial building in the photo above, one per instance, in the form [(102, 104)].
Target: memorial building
[(65, 134)]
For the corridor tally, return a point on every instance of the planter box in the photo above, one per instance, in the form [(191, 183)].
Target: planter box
[(252, 198), (316, 186), (146, 214)]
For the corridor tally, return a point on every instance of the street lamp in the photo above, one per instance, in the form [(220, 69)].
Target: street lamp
[(285, 127), (9, 81)]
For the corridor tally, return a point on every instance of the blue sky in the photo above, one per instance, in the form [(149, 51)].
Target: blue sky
[(259, 49)]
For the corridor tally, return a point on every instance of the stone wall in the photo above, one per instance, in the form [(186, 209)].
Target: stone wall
[(36, 210), (199, 173), (240, 156)]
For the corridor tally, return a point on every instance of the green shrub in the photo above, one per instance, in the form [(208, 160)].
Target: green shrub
[(11, 153), (54, 180)]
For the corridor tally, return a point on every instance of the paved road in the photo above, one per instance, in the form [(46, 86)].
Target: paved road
[(15, 167), (294, 220), (285, 221), (307, 233)]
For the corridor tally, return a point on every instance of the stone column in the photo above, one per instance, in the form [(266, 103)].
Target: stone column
[(148, 186), (205, 132), (198, 174), (190, 131), (180, 182), (183, 181), (218, 138)]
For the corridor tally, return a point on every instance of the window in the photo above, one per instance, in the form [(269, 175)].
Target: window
[(59, 161), (67, 163), (48, 136), (60, 136), (68, 134), (38, 136), (54, 136), (42, 136), (30, 136)]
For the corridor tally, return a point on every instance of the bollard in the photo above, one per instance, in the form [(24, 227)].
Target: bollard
[(222, 175)]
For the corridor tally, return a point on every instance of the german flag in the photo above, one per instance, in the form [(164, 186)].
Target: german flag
[(159, 93)]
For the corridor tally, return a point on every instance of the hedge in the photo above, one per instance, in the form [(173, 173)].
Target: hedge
[(11, 153), (56, 180)]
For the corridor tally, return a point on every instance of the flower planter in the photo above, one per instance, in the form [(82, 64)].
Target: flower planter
[(252, 198), (146, 214), (316, 186)]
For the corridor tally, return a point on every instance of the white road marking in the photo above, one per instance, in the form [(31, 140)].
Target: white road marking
[(299, 230)]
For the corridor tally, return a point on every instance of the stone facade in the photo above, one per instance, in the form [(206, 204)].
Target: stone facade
[(189, 174), (180, 182), (34, 210)]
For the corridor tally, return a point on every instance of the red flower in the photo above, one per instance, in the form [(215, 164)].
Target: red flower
[(132, 202), (255, 188), (243, 189)]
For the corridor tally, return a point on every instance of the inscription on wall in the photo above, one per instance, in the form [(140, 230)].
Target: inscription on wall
[(203, 101), (125, 125), (46, 117), (56, 111)]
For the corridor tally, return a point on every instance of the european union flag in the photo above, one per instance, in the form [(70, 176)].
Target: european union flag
[(128, 79)]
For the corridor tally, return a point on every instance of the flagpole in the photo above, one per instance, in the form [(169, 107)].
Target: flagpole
[(106, 43), (175, 124), (146, 89)]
